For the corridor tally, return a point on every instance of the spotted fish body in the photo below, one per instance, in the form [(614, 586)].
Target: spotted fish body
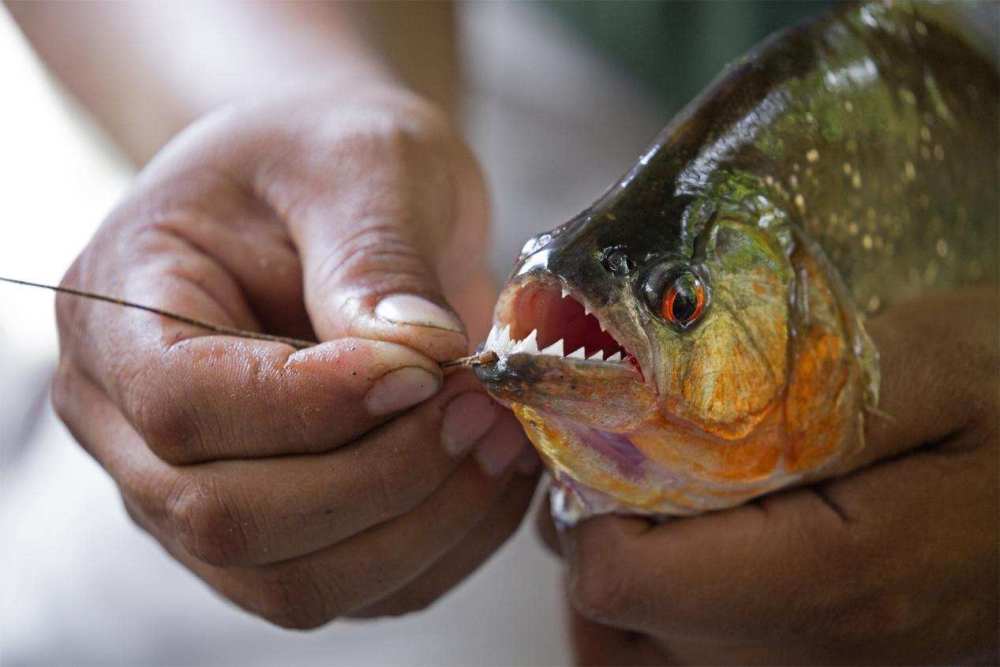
[(695, 338)]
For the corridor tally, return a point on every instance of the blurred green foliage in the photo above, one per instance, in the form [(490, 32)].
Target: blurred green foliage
[(676, 47)]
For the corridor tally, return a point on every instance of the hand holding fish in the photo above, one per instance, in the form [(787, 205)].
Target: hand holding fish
[(895, 563), (302, 485)]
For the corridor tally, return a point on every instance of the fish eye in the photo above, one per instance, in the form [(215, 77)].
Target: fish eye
[(680, 299), (617, 262)]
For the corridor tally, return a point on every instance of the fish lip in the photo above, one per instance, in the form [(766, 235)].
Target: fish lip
[(503, 317), (571, 389)]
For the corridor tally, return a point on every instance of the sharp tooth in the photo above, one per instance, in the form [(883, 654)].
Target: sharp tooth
[(598, 355), (529, 344), (586, 310), (577, 354), (565, 292), (556, 349), (617, 356), (503, 340), (491, 340)]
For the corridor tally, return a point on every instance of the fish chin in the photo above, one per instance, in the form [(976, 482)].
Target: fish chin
[(599, 472), (596, 472)]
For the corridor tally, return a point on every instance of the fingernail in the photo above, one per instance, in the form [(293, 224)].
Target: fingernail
[(527, 462), (401, 389), (416, 310), (500, 447), (467, 418)]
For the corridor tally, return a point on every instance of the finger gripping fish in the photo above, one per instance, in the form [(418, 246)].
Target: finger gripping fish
[(695, 338)]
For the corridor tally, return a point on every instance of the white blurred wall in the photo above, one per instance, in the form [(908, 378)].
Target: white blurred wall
[(79, 584), (55, 185)]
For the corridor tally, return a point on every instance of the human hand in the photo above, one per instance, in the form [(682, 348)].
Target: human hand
[(895, 563), (302, 485)]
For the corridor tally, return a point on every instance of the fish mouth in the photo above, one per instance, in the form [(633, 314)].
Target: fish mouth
[(569, 377), (541, 316)]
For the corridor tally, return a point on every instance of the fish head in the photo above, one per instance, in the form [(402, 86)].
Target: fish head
[(622, 337)]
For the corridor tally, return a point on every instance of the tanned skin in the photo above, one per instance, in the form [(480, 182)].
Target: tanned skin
[(313, 183)]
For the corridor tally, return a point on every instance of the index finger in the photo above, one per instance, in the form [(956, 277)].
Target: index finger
[(794, 568), (938, 362), (195, 397), (690, 575)]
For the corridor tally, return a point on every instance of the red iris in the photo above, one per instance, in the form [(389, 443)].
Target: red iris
[(683, 300)]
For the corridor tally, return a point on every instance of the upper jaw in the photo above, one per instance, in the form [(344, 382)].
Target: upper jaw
[(538, 314), (501, 342)]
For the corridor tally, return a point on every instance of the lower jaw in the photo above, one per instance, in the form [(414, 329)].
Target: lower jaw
[(596, 472), (603, 469), (609, 397)]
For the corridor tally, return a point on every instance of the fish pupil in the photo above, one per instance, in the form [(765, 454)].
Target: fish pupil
[(683, 306)]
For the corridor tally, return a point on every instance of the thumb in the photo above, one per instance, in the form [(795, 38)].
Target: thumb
[(368, 249), (938, 362), (374, 283)]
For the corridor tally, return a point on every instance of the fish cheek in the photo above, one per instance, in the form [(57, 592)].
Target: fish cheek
[(736, 371), (732, 369)]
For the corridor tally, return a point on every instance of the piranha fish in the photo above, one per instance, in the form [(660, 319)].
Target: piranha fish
[(696, 337)]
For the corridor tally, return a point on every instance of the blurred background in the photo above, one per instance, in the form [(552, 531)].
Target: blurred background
[(556, 110)]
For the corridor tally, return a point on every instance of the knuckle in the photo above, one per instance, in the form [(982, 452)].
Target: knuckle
[(597, 588), (401, 604), (134, 513), (209, 523), (412, 603), (62, 394), (66, 306), (389, 135), (384, 136), (377, 251), (291, 598), (161, 419)]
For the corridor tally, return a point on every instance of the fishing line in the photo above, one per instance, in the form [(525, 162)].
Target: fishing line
[(297, 343), (214, 328)]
